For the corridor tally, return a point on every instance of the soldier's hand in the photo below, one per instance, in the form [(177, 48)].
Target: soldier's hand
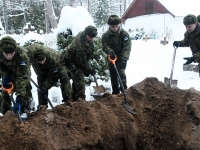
[(112, 54), (6, 81), (176, 44), (189, 60)]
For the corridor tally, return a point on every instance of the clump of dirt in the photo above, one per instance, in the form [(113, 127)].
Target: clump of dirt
[(166, 119)]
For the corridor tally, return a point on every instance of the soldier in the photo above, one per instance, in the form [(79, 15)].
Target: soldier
[(191, 38), (49, 69), (76, 57), (116, 41), (15, 68)]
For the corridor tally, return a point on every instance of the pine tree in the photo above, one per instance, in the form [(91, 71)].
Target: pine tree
[(101, 14), (37, 16), (64, 39)]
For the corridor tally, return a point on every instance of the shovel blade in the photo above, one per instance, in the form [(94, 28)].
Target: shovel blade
[(173, 83), (129, 108), (99, 89), (166, 81), (96, 96)]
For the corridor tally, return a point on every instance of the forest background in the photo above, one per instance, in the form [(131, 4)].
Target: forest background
[(44, 15)]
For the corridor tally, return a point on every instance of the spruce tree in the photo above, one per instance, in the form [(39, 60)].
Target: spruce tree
[(101, 14)]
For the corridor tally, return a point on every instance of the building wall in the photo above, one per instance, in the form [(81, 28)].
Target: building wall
[(138, 9), (158, 23)]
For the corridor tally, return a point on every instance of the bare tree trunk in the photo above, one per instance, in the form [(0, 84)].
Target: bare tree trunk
[(124, 5), (51, 18), (46, 18), (88, 6), (5, 16)]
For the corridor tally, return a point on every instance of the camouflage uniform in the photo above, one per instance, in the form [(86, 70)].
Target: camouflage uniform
[(198, 18), (120, 43), (192, 39), (76, 57), (49, 72), (19, 70)]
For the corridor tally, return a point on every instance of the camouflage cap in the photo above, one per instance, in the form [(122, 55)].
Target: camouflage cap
[(39, 54), (91, 31), (114, 20), (189, 19), (198, 18), (8, 44)]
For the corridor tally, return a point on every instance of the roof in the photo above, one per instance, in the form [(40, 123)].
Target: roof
[(126, 14)]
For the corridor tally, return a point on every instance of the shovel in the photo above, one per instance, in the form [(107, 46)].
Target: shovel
[(97, 88), (48, 100), (125, 103), (169, 82), (9, 91)]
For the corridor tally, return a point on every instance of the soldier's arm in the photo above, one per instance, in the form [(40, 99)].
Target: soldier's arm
[(185, 41), (55, 66), (22, 76), (126, 46), (3, 69), (82, 63), (105, 45)]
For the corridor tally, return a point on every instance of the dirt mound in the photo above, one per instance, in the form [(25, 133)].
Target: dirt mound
[(166, 119)]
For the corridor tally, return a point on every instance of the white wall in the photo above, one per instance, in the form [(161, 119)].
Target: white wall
[(159, 23)]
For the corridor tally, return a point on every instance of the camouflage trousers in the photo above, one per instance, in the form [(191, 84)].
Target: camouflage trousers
[(6, 101), (114, 78), (46, 82), (78, 84)]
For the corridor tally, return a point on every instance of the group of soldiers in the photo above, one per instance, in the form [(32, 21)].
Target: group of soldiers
[(51, 66), (73, 63)]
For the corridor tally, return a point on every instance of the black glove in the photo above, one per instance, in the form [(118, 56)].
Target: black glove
[(176, 44), (122, 64), (6, 81), (112, 54), (189, 60), (18, 104)]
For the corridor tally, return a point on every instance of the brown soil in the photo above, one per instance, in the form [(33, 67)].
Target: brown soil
[(167, 119)]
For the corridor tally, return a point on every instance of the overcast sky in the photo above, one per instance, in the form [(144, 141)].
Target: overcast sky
[(182, 7)]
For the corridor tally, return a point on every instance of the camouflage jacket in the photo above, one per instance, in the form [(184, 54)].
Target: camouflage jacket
[(78, 53), (192, 40), (52, 65), (18, 68), (119, 42)]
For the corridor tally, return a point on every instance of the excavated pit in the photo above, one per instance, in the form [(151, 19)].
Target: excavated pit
[(166, 119)]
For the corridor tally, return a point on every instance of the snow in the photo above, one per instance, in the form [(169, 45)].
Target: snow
[(74, 18), (147, 59)]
